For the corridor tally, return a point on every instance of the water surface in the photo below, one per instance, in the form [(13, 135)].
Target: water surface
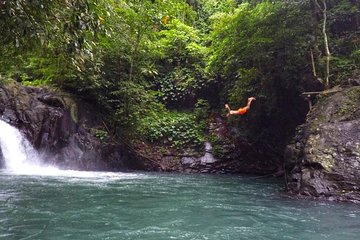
[(88, 205)]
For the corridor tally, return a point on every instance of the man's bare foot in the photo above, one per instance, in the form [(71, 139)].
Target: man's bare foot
[(251, 98)]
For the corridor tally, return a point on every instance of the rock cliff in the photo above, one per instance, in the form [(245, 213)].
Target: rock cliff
[(324, 159), (60, 128)]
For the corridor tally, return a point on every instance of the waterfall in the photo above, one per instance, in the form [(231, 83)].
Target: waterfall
[(18, 155)]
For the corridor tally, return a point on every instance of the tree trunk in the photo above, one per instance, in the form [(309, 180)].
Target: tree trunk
[(327, 51), (323, 10)]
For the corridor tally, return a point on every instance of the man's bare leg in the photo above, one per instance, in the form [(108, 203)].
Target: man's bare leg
[(230, 112), (228, 109), (250, 99)]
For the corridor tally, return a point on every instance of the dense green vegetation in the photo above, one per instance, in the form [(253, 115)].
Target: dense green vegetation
[(156, 67)]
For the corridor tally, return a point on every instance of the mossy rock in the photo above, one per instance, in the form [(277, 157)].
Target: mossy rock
[(329, 146)]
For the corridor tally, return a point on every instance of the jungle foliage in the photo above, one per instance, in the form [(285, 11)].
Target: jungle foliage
[(146, 63)]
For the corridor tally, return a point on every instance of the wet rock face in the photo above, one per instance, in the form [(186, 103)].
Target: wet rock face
[(55, 125), (324, 159), (1, 160)]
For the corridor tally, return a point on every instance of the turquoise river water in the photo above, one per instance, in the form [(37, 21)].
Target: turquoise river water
[(150, 206)]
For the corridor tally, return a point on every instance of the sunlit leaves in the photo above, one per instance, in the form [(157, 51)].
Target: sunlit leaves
[(181, 57), (60, 34), (180, 43)]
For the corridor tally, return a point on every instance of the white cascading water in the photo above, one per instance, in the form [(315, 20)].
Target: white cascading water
[(19, 156)]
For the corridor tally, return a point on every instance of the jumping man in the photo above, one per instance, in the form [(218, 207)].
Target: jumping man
[(240, 111)]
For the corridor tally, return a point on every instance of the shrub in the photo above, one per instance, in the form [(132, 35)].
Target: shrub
[(176, 129), (100, 134), (202, 111)]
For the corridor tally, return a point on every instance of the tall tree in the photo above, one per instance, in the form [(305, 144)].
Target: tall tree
[(322, 7)]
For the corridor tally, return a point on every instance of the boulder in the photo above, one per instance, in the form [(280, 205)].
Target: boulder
[(323, 160)]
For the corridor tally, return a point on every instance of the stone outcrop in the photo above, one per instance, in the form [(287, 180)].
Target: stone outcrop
[(324, 159), (60, 128)]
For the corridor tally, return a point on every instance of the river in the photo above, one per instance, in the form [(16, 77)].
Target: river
[(154, 206)]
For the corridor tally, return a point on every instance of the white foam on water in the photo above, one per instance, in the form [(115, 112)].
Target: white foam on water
[(22, 159)]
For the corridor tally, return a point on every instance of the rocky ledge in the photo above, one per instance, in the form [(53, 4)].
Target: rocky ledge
[(323, 160)]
